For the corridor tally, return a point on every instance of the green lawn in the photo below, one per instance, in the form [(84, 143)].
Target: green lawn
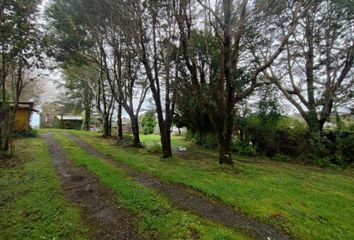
[(308, 202), (31, 204), (156, 217)]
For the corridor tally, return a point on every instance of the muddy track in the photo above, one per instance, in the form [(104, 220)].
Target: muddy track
[(98, 206), (185, 198)]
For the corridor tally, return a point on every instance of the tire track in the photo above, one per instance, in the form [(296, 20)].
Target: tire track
[(98, 205), (185, 198)]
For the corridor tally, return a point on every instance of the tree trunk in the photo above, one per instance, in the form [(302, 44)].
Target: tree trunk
[(8, 129), (313, 123), (5, 136), (165, 140), (225, 156), (119, 123), (135, 130), (106, 127), (164, 133), (223, 124), (87, 119)]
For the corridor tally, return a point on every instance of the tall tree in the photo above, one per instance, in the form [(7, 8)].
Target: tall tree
[(78, 96), (19, 43), (237, 73), (78, 39), (152, 29), (316, 72)]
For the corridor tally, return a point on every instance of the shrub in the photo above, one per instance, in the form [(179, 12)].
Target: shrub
[(244, 148), (210, 141), (29, 133), (291, 126), (281, 158), (127, 141), (198, 138), (189, 135), (339, 147), (154, 148), (148, 122)]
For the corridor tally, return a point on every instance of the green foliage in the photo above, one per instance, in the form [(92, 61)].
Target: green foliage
[(260, 127), (208, 140), (291, 125), (68, 41), (190, 112), (20, 39), (78, 95), (29, 133), (336, 148), (244, 148), (127, 141), (281, 158), (148, 122), (154, 147)]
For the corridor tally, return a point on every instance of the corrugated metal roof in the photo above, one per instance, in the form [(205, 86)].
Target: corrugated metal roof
[(70, 117)]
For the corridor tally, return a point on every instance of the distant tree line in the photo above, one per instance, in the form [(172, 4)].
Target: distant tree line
[(202, 60)]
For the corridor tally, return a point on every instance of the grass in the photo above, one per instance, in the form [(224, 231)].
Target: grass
[(156, 217), (31, 204), (308, 202)]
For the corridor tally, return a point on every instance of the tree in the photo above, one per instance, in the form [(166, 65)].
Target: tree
[(190, 112), (238, 71), (318, 62), (77, 39), (128, 85), (78, 96), (152, 29), (148, 122), (19, 44)]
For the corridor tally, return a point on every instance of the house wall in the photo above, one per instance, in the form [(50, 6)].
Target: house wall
[(22, 118)]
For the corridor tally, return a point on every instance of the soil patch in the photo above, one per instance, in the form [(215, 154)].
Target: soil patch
[(185, 198), (97, 203)]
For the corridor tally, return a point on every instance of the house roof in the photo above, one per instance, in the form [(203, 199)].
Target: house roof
[(70, 117)]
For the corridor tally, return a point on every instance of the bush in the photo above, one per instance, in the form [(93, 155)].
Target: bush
[(127, 141), (244, 148), (339, 147), (291, 126), (189, 136), (208, 140), (281, 158), (154, 148), (148, 122), (29, 133)]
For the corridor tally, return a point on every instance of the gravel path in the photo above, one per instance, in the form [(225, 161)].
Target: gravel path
[(98, 205), (185, 198)]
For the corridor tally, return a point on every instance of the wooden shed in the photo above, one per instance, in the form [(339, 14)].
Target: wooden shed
[(23, 115)]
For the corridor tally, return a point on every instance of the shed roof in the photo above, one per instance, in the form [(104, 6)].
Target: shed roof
[(70, 117)]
